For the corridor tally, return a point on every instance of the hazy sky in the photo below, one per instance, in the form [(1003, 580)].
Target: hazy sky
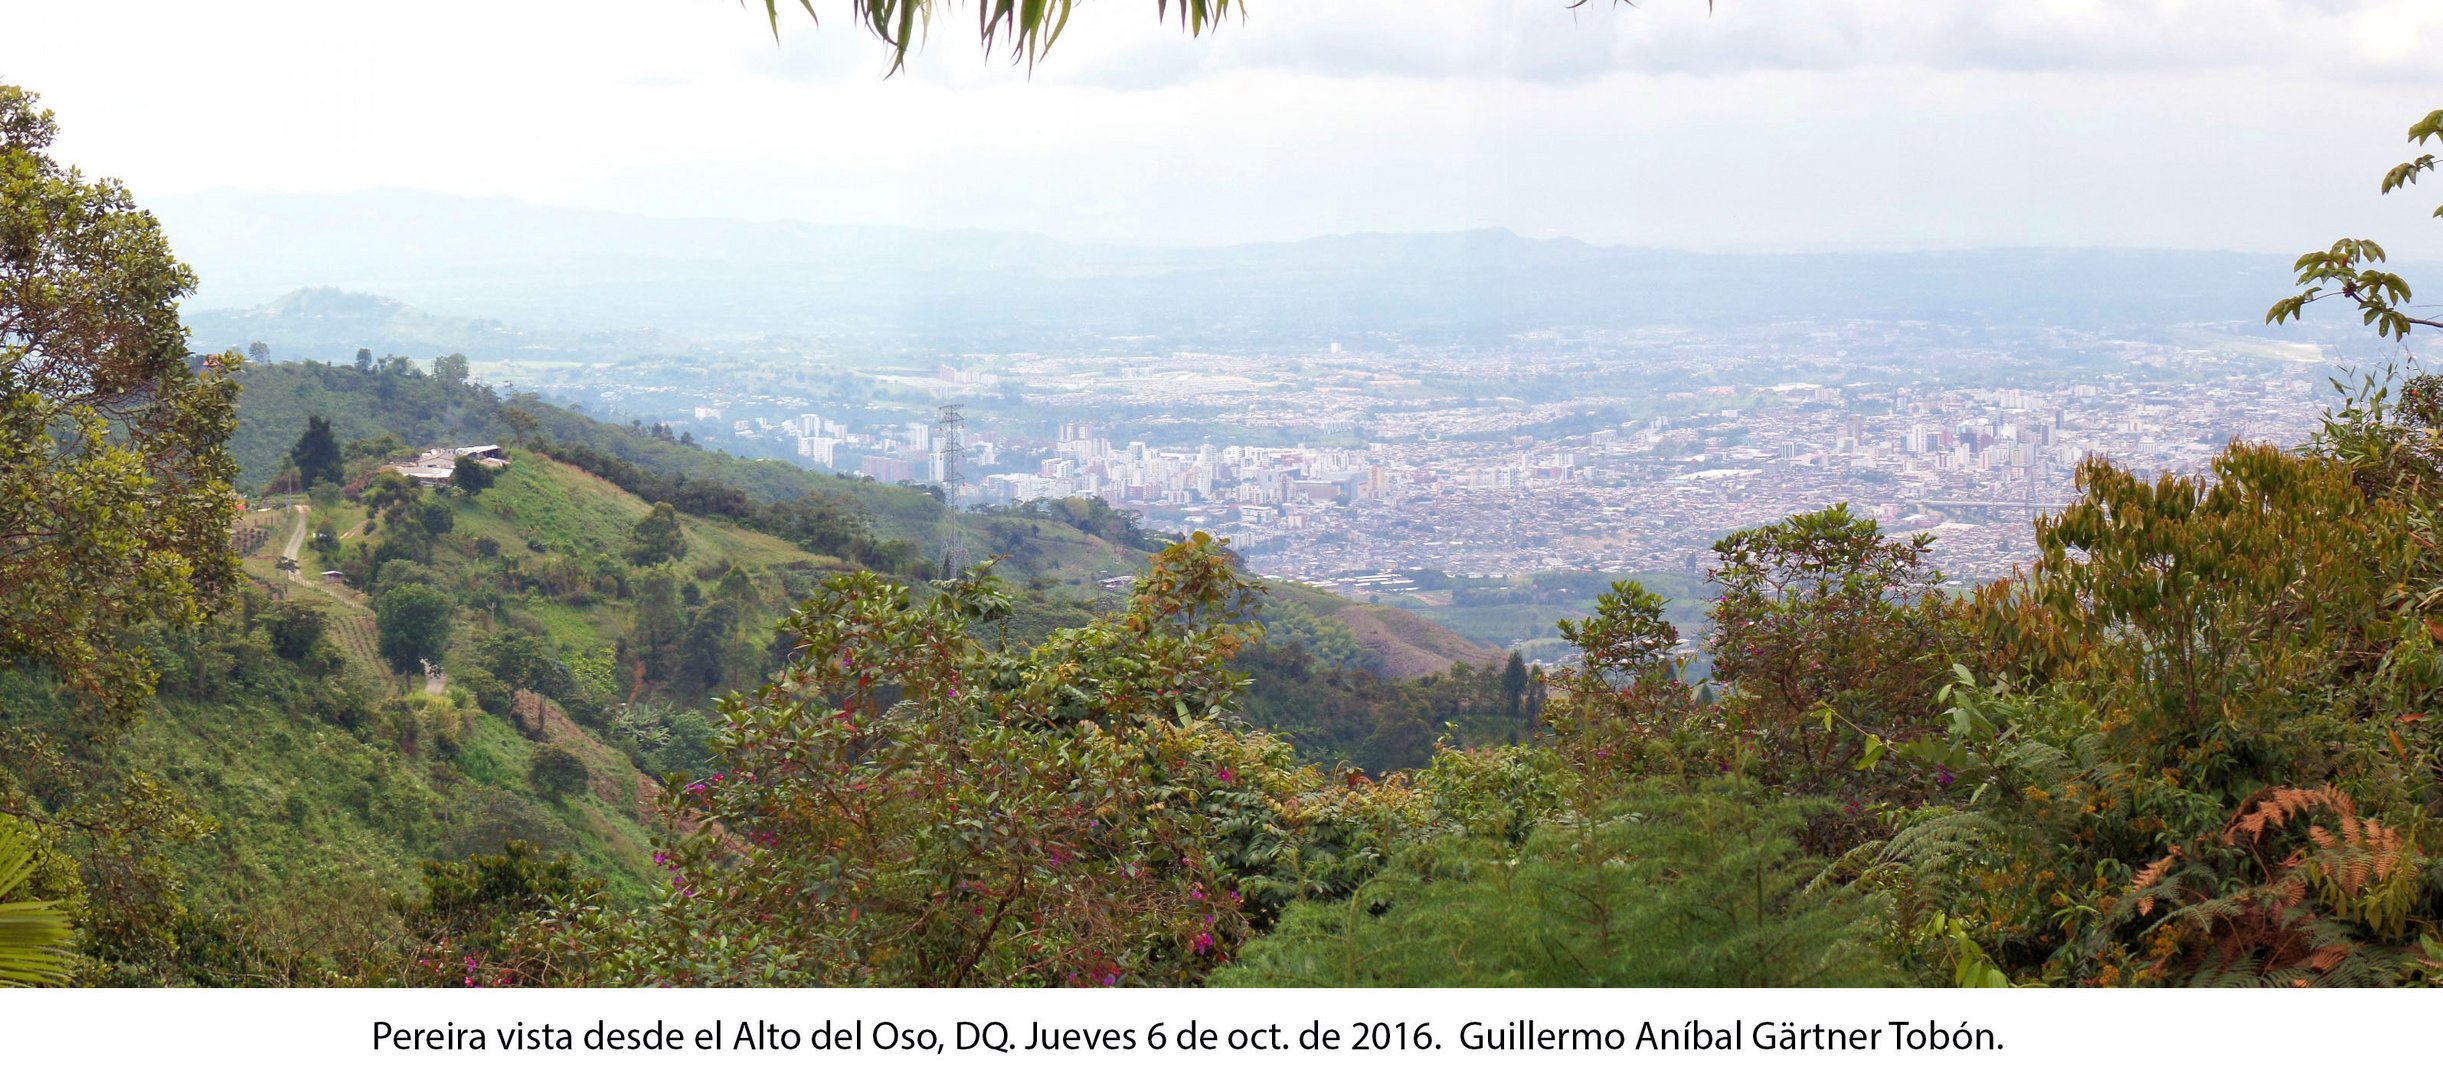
[(1767, 125)]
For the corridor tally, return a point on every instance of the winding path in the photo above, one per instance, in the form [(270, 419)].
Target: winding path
[(296, 540), (296, 543)]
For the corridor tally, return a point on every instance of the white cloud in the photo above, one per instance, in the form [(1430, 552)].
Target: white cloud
[(1772, 124), (1547, 40)]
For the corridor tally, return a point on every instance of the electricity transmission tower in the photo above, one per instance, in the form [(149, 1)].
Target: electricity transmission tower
[(949, 430)]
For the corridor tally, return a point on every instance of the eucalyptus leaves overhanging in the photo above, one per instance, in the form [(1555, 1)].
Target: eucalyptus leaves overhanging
[(1025, 28)]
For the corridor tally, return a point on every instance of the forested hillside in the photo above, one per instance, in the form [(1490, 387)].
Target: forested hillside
[(598, 708), (325, 769)]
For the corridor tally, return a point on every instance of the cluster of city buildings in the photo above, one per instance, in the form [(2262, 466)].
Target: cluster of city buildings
[(1613, 456), (1971, 467), (916, 451)]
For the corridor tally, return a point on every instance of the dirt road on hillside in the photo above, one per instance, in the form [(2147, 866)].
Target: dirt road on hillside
[(296, 539)]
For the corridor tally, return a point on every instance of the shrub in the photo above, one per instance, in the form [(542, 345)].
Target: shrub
[(557, 773)]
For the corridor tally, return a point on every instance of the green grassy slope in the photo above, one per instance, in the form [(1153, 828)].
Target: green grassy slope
[(570, 511), (420, 411), (1521, 613), (1397, 643), (1053, 567), (330, 785)]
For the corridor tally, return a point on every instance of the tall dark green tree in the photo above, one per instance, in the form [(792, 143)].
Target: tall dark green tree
[(296, 629), (525, 661), (705, 653), (390, 495), (658, 623), (471, 476), (522, 422), (410, 521), (1832, 638), (657, 538), (316, 454), (414, 624), (1514, 681)]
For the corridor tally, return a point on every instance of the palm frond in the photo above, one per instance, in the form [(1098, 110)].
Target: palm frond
[(34, 934)]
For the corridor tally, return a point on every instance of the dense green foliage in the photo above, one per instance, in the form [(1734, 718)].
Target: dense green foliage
[(845, 855), (470, 477), (469, 907), (415, 625), (114, 477), (115, 509), (1664, 888), (2192, 759), (1343, 712), (557, 773)]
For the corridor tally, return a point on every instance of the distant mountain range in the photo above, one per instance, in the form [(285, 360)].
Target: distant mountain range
[(331, 324), (555, 271)]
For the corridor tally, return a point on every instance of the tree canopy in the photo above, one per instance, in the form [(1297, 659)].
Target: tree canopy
[(316, 454), (414, 621), (115, 497), (658, 537)]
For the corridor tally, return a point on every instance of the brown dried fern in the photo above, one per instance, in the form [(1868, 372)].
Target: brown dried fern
[(2273, 807)]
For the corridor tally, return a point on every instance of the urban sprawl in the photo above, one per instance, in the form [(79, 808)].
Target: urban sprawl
[(1383, 475)]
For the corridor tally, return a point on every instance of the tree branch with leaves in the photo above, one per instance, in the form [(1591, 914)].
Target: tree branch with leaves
[(2352, 268), (1025, 28)]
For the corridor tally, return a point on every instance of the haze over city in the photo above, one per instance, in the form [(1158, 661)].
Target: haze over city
[(1356, 314)]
